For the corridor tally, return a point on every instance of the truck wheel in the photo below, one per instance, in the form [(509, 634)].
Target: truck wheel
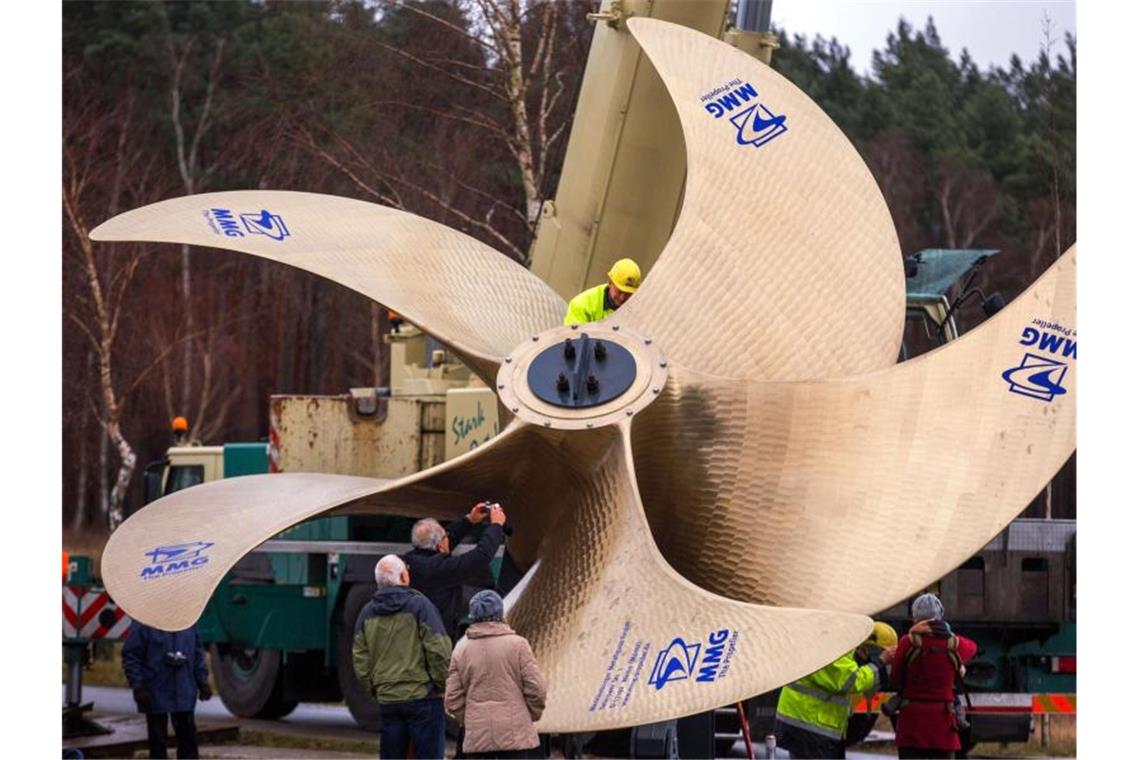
[(250, 681), (365, 710)]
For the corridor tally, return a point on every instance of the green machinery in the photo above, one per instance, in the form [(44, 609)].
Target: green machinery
[(279, 626)]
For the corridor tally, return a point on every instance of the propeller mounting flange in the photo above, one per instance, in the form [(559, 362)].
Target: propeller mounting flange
[(582, 376)]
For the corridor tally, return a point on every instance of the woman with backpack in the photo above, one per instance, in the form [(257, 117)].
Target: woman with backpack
[(929, 663)]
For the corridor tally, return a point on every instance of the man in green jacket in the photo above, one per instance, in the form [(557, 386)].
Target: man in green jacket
[(600, 301), (811, 716), (401, 653)]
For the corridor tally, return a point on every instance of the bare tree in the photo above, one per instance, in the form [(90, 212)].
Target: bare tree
[(508, 58), (188, 150), (97, 315), (968, 201), (1047, 49), (898, 168), (1055, 189)]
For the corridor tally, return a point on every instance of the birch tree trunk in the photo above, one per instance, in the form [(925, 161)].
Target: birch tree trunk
[(102, 336), (187, 153), (107, 285)]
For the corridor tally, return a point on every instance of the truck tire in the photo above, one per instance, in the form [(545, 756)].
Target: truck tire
[(365, 710), (250, 681)]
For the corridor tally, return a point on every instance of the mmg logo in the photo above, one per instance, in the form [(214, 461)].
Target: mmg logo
[(172, 559), (223, 221), (755, 124)]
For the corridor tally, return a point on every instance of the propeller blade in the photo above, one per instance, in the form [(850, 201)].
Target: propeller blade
[(781, 493), (621, 637), (784, 263), (163, 563), (471, 297)]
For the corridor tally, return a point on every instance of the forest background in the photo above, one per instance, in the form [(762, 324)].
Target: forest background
[(458, 111)]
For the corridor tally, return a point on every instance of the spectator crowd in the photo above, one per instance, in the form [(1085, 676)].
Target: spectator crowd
[(422, 659)]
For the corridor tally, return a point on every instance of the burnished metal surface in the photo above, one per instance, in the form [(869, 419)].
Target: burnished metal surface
[(779, 492), (784, 263), (606, 615), (604, 612), (162, 563), (471, 297)]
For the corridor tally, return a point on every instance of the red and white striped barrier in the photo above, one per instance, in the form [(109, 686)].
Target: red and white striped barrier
[(90, 614), (1037, 704)]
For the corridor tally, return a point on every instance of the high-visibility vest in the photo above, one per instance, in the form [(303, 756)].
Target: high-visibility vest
[(588, 306), (821, 702)]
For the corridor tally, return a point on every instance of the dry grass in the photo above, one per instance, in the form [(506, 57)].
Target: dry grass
[(1062, 741), (106, 669)]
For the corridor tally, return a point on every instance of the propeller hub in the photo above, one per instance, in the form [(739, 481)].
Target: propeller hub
[(582, 376)]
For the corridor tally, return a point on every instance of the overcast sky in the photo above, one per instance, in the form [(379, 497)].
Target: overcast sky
[(991, 30)]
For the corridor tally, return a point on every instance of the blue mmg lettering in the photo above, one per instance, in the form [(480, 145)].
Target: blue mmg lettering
[(732, 99), (173, 568), (1048, 341), (222, 222), (710, 663)]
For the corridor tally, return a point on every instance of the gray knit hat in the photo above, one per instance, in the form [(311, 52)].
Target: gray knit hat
[(486, 605), (926, 607)]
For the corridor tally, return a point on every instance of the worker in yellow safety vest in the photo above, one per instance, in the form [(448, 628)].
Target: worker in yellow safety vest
[(600, 301), (811, 716)]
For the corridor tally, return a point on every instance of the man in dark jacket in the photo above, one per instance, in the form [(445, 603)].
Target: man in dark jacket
[(167, 672), (401, 652), (438, 574)]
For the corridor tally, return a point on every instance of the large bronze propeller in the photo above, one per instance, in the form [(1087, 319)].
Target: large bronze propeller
[(698, 525)]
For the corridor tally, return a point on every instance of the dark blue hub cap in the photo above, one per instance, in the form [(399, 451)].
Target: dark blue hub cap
[(581, 372)]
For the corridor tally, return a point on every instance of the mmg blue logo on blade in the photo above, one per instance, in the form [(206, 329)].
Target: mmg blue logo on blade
[(225, 222), (173, 559), (1037, 377), (755, 124), (674, 663)]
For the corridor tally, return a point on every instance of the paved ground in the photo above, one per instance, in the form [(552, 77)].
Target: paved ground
[(320, 721), (759, 750), (332, 722)]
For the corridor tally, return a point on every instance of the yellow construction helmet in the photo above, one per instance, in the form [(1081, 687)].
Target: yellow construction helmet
[(625, 274), (882, 635)]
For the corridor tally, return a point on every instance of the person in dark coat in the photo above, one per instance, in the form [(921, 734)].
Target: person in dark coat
[(439, 574), (167, 672), (924, 675)]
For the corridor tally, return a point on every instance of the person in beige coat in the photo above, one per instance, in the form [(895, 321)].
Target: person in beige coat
[(494, 688)]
